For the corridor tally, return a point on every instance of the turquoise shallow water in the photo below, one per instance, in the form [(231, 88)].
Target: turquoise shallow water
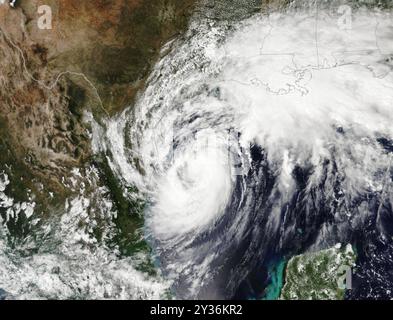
[(276, 273)]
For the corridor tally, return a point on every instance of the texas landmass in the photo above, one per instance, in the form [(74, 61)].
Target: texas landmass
[(95, 59)]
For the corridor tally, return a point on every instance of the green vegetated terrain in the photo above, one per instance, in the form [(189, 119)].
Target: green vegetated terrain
[(318, 275)]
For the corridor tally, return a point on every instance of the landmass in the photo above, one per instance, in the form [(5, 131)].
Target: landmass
[(318, 275)]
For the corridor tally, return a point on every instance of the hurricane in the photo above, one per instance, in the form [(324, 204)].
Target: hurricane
[(260, 139)]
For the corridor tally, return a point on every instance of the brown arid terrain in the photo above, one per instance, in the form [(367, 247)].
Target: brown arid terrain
[(96, 57)]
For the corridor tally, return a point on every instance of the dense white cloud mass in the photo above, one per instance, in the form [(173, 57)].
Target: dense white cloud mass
[(267, 81)]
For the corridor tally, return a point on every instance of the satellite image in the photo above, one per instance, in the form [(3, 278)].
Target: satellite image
[(196, 150)]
